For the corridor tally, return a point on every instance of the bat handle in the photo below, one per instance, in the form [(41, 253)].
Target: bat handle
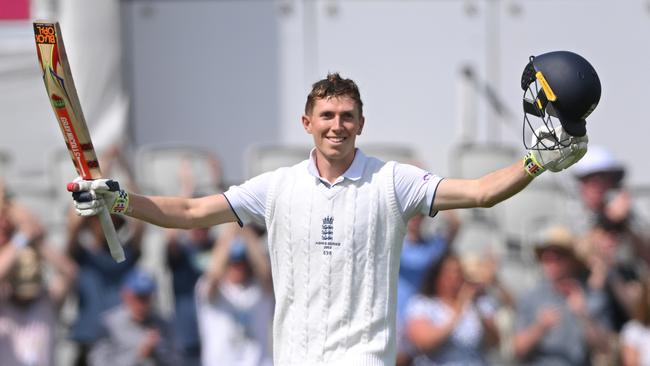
[(111, 236)]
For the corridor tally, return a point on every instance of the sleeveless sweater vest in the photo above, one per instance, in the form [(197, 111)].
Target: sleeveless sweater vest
[(335, 261)]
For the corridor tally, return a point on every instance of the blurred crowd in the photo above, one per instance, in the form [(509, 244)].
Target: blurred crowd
[(589, 306)]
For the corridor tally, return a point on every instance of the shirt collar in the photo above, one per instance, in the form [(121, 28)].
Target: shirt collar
[(354, 172)]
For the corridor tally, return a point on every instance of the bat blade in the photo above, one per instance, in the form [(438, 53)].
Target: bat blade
[(63, 97)]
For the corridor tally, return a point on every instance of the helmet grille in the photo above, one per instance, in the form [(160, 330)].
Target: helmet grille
[(528, 76)]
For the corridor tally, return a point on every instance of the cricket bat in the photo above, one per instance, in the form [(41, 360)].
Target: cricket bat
[(65, 102)]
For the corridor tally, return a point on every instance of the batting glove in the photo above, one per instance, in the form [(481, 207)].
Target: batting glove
[(560, 156), (92, 196)]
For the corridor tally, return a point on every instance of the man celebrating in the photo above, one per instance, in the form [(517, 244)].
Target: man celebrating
[(336, 223)]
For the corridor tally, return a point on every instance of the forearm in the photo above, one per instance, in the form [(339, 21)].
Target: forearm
[(527, 339), (178, 212), (486, 191), (428, 338), (218, 262), (595, 335), (258, 260), (73, 229), (640, 243), (491, 333), (60, 263), (629, 356), (65, 269), (8, 253), (502, 184)]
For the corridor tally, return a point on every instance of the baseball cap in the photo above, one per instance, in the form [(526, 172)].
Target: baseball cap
[(598, 160), (140, 282)]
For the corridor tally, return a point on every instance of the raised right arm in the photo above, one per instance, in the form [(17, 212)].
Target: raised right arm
[(182, 213), (93, 196)]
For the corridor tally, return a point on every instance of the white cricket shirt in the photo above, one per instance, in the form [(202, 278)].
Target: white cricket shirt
[(334, 251)]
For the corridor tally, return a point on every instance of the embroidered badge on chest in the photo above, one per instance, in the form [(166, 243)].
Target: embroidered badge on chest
[(327, 236), (327, 233)]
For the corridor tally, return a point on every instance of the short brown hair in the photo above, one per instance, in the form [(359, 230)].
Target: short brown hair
[(333, 86), (429, 286)]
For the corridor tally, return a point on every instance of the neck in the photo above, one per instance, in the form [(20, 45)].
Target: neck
[(331, 169)]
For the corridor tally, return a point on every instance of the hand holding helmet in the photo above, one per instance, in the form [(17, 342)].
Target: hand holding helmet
[(564, 86), (569, 150)]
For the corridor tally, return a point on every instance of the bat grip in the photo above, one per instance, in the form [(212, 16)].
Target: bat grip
[(111, 236)]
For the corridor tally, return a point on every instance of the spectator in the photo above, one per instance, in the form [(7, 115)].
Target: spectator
[(419, 252), (29, 307), (187, 257), (605, 201), (481, 270), (450, 321), (560, 321), (133, 333), (235, 301), (635, 336), (98, 285), (619, 279)]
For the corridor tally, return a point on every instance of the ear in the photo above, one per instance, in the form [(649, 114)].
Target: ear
[(306, 123), (362, 121)]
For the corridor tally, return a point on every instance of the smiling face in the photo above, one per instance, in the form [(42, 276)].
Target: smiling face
[(334, 123)]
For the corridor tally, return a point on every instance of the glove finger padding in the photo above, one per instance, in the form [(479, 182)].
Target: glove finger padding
[(555, 150), (84, 196), (542, 140), (90, 208), (105, 185), (89, 205), (576, 152), (571, 149)]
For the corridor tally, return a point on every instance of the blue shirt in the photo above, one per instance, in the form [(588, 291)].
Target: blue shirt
[(187, 266), (98, 286), (415, 259)]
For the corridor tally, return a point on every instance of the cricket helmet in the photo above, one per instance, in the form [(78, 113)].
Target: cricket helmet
[(561, 85)]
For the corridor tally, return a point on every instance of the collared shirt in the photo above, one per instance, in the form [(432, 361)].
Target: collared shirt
[(415, 189)]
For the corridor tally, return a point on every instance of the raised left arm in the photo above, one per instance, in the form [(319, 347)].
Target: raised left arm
[(503, 183), (486, 191)]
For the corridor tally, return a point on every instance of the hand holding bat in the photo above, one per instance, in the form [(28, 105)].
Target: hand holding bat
[(100, 197), (92, 197)]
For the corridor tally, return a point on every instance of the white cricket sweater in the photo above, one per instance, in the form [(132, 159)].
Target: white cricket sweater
[(335, 261)]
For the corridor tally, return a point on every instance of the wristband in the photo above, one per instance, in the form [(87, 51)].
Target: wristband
[(121, 203), (532, 166), (19, 240)]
